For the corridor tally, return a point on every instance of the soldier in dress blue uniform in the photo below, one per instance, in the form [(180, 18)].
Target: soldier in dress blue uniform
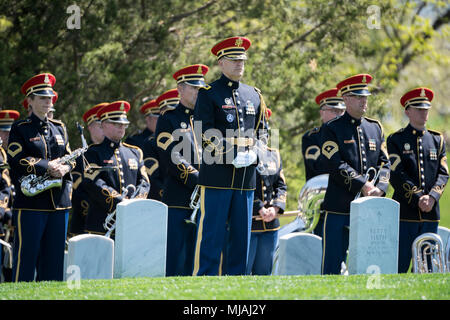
[(419, 172), (112, 167), (229, 114), (351, 144), (269, 202), (80, 198), (180, 156), (330, 107), (146, 141), (36, 145), (7, 117)]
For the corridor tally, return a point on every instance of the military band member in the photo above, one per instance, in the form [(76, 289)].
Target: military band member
[(351, 144), (80, 198), (229, 113), (36, 145), (112, 167), (330, 107), (7, 117), (180, 155), (269, 201), (146, 141), (419, 172)]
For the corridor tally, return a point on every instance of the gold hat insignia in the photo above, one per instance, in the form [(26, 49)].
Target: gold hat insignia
[(239, 42), (364, 80), (46, 79), (122, 107), (422, 92), (199, 70)]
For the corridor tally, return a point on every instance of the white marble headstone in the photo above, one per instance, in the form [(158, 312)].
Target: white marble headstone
[(92, 254), (299, 254), (374, 236), (141, 239)]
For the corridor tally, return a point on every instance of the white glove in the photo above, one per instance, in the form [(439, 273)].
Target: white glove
[(244, 159)]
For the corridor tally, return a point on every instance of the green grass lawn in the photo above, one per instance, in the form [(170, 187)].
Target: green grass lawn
[(367, 287)]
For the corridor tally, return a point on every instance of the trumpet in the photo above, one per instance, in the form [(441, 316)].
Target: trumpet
[(367, 178), (110, 221), (194, 205), (428, 246)]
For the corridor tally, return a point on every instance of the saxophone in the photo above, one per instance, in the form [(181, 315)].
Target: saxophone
[(32, 184)]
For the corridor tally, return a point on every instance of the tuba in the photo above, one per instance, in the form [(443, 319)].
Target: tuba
[(427, 248), (309, 200)]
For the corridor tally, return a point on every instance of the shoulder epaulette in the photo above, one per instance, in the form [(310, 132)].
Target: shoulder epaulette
[(166, 110), (130, 145), (21, 122), (398, 131), (206, 87), (56, 121), (435, 132), (332, 120), (373, 120), (257, 90)]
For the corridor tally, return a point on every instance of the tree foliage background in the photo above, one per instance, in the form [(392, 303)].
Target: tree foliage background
[(129, 49)]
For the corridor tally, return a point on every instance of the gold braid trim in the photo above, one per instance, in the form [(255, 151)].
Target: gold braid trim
[(185, 172), (30, 164), (410, 191), (110, 197), (348, 177)]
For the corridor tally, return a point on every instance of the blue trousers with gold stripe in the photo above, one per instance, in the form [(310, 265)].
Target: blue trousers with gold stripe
[(334, 242), (221, 208), (39, 243), (180, 243)]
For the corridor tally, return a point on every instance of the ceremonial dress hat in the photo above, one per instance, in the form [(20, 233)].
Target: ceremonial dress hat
[(115, 112), (7, 117), (168, 99), (193, 75), (39, 85), (330, 98), (233, 48), (356, 85), (419, 98), (149, 108), (91, 115)]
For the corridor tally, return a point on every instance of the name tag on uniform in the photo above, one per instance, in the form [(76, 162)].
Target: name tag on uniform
[(349, 141), (132, 163), (59, 139), (35, 139), (108, 161), (228, 107)]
